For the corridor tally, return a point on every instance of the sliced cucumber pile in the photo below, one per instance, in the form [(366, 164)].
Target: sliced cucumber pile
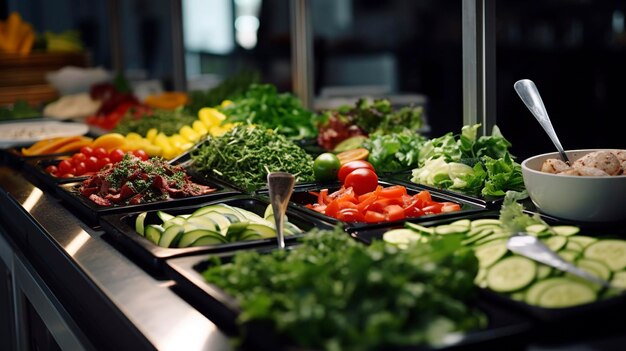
[(210, 225), (523, 279)]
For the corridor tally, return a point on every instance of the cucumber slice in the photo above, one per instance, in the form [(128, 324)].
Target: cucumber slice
[(463, 222), (419, 228), (543, 271), (595, 267), (492, 237), (584, 241), (566, 294), (518, 295), (450, 229), (511, 274), (535, 290), (164, 216), (401, 237), (220, 208), (565, 230), (201, 222), (190, 237), (479, 230), (535, 229), (222, 223), (490, 253), (171, 236), (555, 243), (174, 221), (269, 212), (263, 230), (486, 222), (619, 280), (569, 255), (480, 276), (483, 234), (572, 245), (207, 240), (249, 235), (612, 252), (139, 223), (153, 233)]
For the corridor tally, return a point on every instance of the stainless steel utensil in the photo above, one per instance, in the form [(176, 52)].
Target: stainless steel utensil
[(529, 246), (529, 94), (280, 186)]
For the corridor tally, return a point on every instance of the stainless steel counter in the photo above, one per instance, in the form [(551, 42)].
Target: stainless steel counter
[(142, 308)]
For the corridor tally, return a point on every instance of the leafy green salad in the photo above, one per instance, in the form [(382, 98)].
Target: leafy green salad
[(334, 293)]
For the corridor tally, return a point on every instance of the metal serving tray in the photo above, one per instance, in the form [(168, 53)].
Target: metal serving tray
[(122, 228)]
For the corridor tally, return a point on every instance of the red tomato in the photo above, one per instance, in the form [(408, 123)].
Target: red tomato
[(52, 169), (393, 191), (67, 175), (450, 207), (65, 166), (394, 212), (100, 152), (116, 155), (433, 208), (78, 158), (103, 162), (141, 154), (424, 195), (381, 203), (86, 150), (350, 215), (351, 166), (373, 217), (81, 168), (362, 180), (92, 164)]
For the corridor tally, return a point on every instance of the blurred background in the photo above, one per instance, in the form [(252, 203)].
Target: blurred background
[(407, 50)]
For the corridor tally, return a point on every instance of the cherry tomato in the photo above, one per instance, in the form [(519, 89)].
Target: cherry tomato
[(78, 158), (141, 154), (103, 162), (52, 169), (116, 155), (362, 180), (65, 166), (67, 175), (100, 152), (86, 150), (351, 166), (92, 164), (81, 168)]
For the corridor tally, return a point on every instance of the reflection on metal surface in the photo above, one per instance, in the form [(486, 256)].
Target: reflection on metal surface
[(187, 335), (76, 243), (32, 199)]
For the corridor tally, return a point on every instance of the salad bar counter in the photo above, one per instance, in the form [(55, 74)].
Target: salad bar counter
[(96, 284)]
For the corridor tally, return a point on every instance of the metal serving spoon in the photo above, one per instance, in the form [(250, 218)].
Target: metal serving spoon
[(280, 186), (527, 91), (529, 246)]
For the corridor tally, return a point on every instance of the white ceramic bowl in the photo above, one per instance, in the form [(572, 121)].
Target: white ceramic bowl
[(586, 199)]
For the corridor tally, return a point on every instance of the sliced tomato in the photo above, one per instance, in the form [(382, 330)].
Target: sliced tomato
[(350, 215), (374, 193), (433, 208), (394, 213), (374, 217), (332, 208), (393, 191), (450, 207), (424, 195), (381, 203)]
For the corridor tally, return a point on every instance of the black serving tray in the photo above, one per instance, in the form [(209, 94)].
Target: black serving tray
[(490, 202), (13, 156), (301, 197), (602, 312), (505, 329), (69, 194), (37, 168), (122, 227)]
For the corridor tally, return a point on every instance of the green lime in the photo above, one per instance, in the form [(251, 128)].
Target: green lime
[(326, 166)]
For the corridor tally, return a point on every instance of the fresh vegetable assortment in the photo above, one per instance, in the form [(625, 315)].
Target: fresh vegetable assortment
[(246, 154), (210, 225), (523, 279), (261, 104), (333, 293), (361, 199), (134, 181), (367, 117)]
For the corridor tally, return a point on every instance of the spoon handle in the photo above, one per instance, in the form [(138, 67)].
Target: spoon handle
[(280, 186), (529, 94)]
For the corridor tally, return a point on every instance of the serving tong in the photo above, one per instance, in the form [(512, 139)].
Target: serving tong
[(530, 246)]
